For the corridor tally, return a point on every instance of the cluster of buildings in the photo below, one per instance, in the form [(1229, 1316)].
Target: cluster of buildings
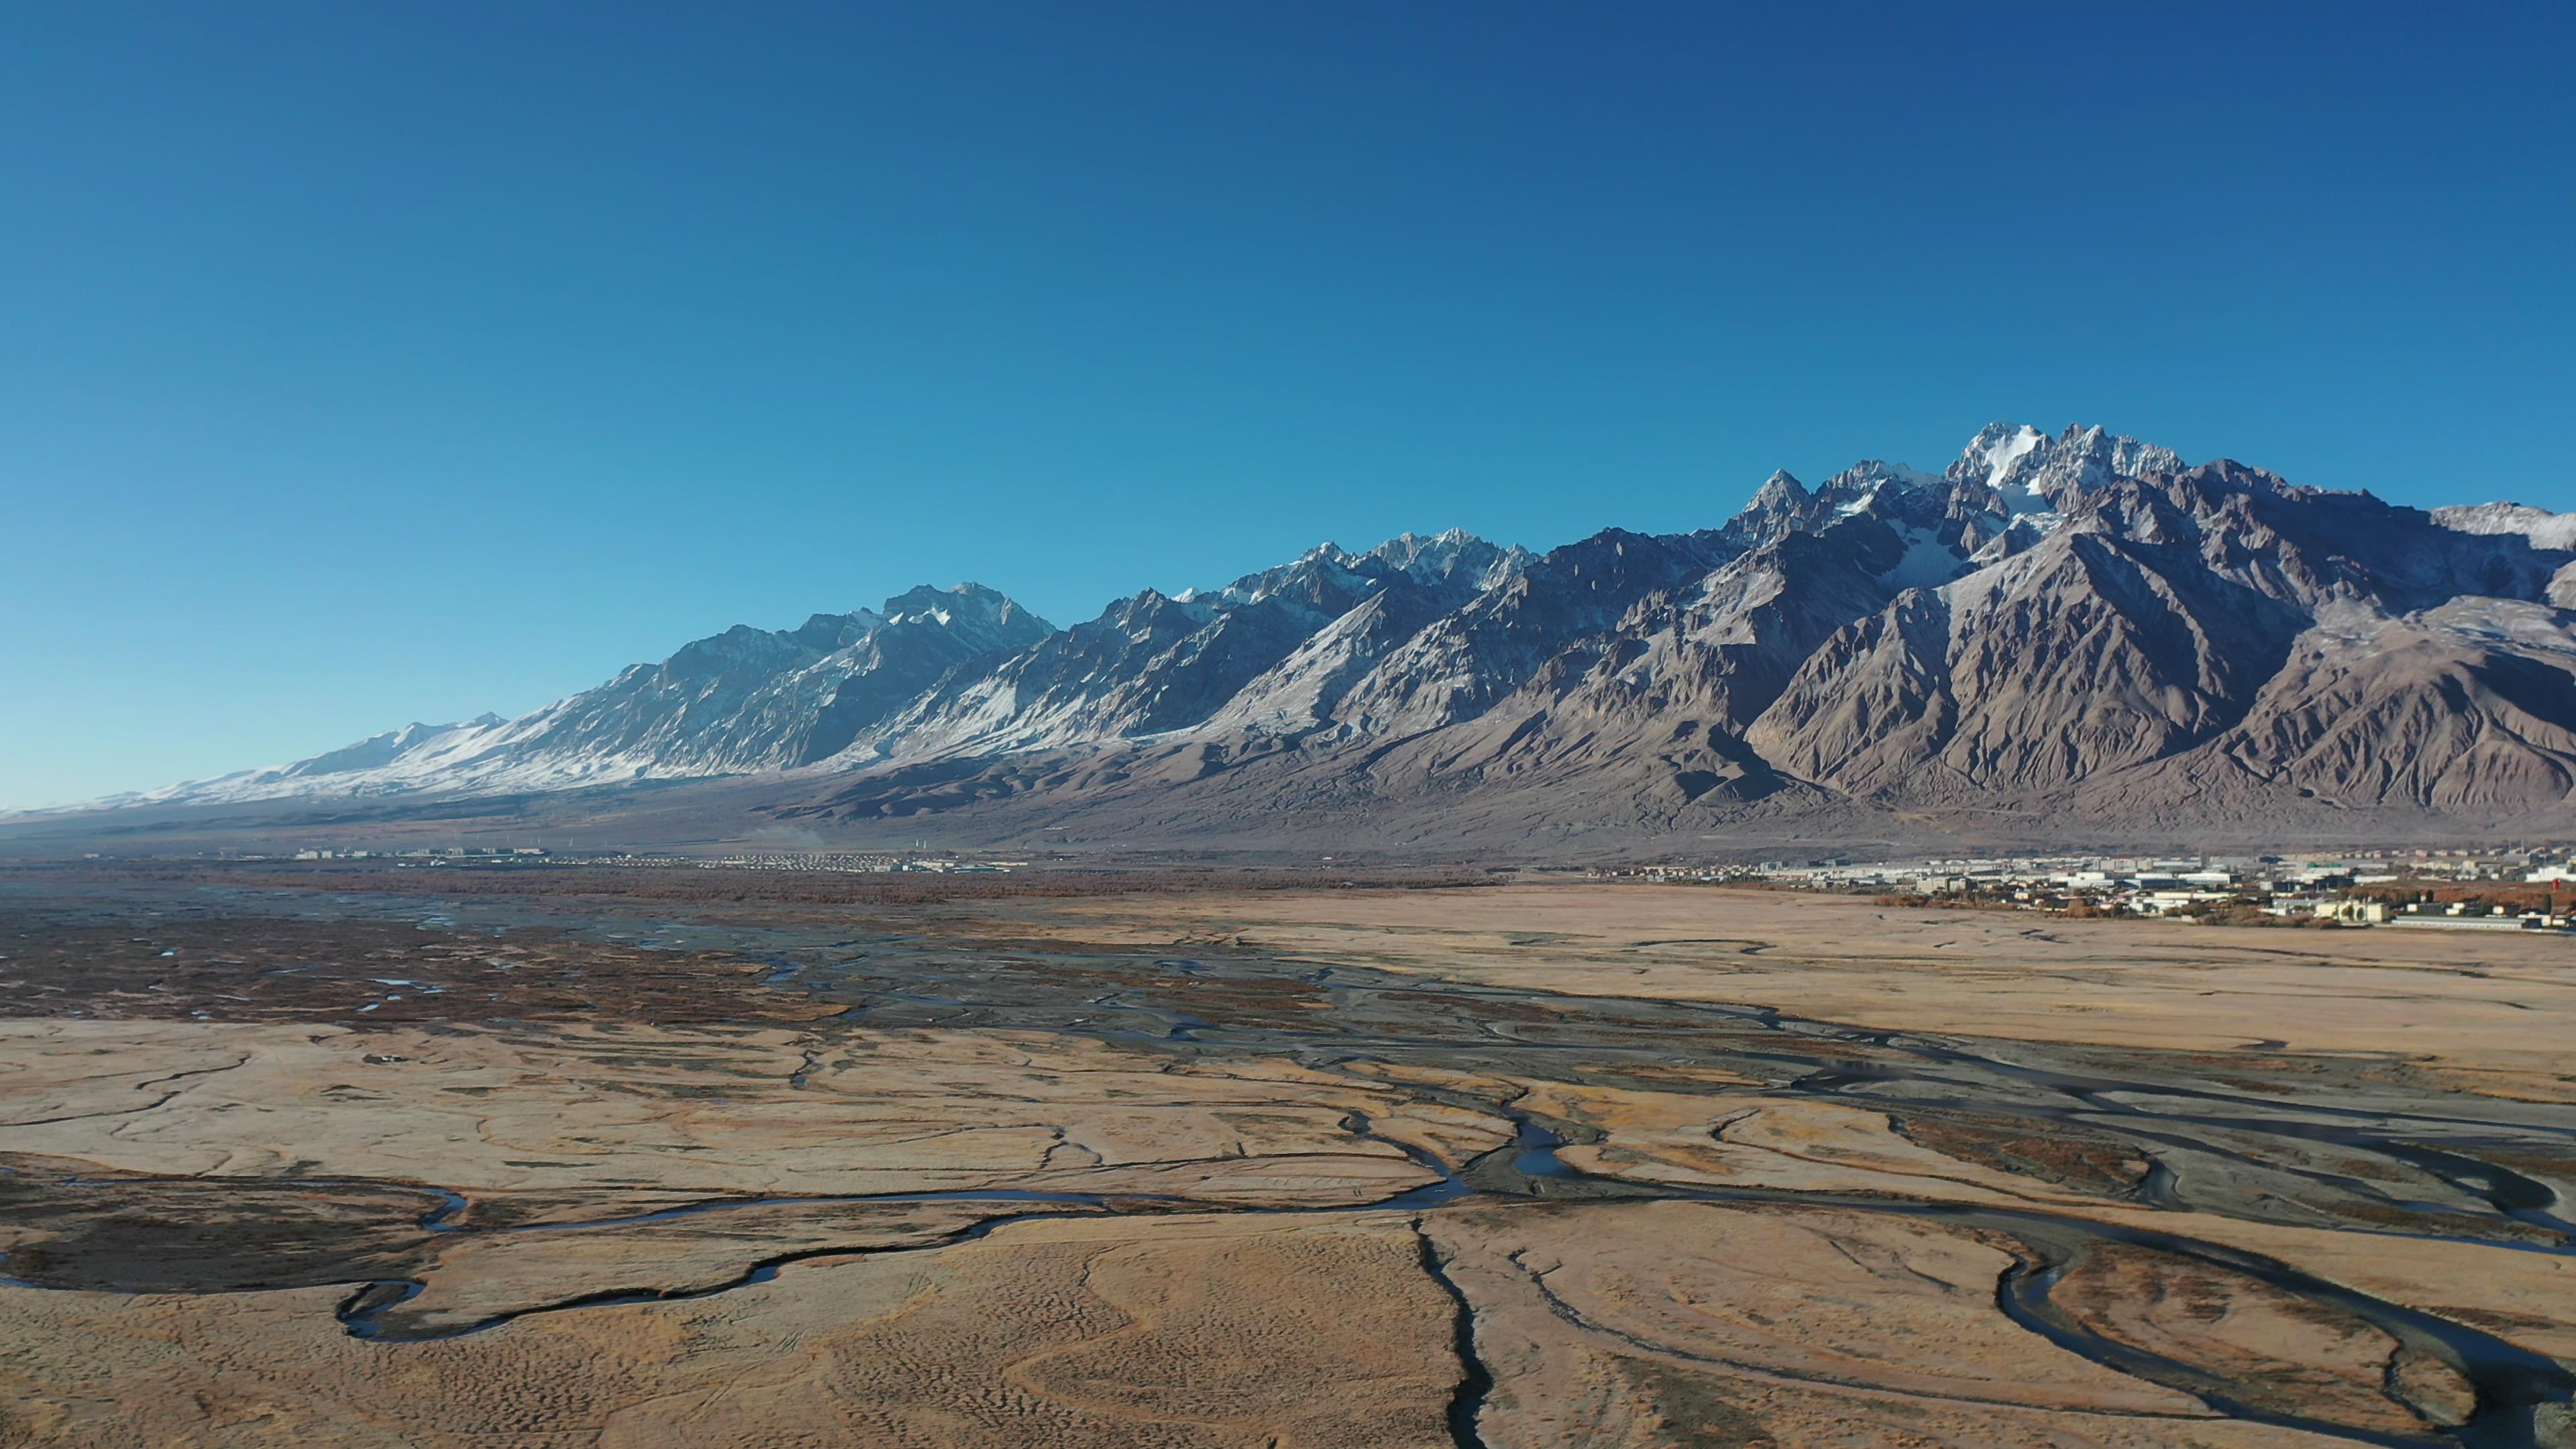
[(838, 861), (440, 855), (2421, 889)]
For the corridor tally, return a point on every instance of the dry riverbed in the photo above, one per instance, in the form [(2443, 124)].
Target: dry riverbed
[(1510, 1166)]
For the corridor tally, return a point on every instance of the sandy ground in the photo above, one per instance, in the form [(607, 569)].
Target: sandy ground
[(2500, 1005), (1282, 1190)]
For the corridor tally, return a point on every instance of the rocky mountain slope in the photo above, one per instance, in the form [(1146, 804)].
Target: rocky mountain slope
[(2079, 627)]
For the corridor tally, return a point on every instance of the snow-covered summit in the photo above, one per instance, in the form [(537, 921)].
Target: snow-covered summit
[(2028, 471), (2011, 486), (2008, 471)]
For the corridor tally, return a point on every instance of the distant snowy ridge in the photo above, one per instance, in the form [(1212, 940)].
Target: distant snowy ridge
[(2544, 528), (743, 700)]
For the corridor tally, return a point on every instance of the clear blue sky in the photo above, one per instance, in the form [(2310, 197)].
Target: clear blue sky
[(378, 362)]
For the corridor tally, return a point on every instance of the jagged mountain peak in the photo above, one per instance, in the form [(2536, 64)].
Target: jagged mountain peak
[(930, 599), (1450, 556), (824, 633), (1409, 548), (1781, 489), (980, 618), (2030, 472), (1996, 450)]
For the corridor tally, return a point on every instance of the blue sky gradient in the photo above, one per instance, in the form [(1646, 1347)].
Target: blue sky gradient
[(386, 362)]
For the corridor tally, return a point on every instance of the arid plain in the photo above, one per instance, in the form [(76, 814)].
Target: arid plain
[(573, 1158)]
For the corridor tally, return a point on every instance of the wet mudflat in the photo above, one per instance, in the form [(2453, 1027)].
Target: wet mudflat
[(741, 1175)]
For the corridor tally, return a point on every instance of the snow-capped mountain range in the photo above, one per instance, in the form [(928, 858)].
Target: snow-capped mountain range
[(2081, 620)]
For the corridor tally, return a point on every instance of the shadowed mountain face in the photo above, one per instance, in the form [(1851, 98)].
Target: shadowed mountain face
[(2080, 624)]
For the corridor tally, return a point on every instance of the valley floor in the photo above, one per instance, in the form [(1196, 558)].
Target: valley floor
[(1130, 1163)]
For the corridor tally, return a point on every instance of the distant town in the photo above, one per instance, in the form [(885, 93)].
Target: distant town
[(2457, 890)]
